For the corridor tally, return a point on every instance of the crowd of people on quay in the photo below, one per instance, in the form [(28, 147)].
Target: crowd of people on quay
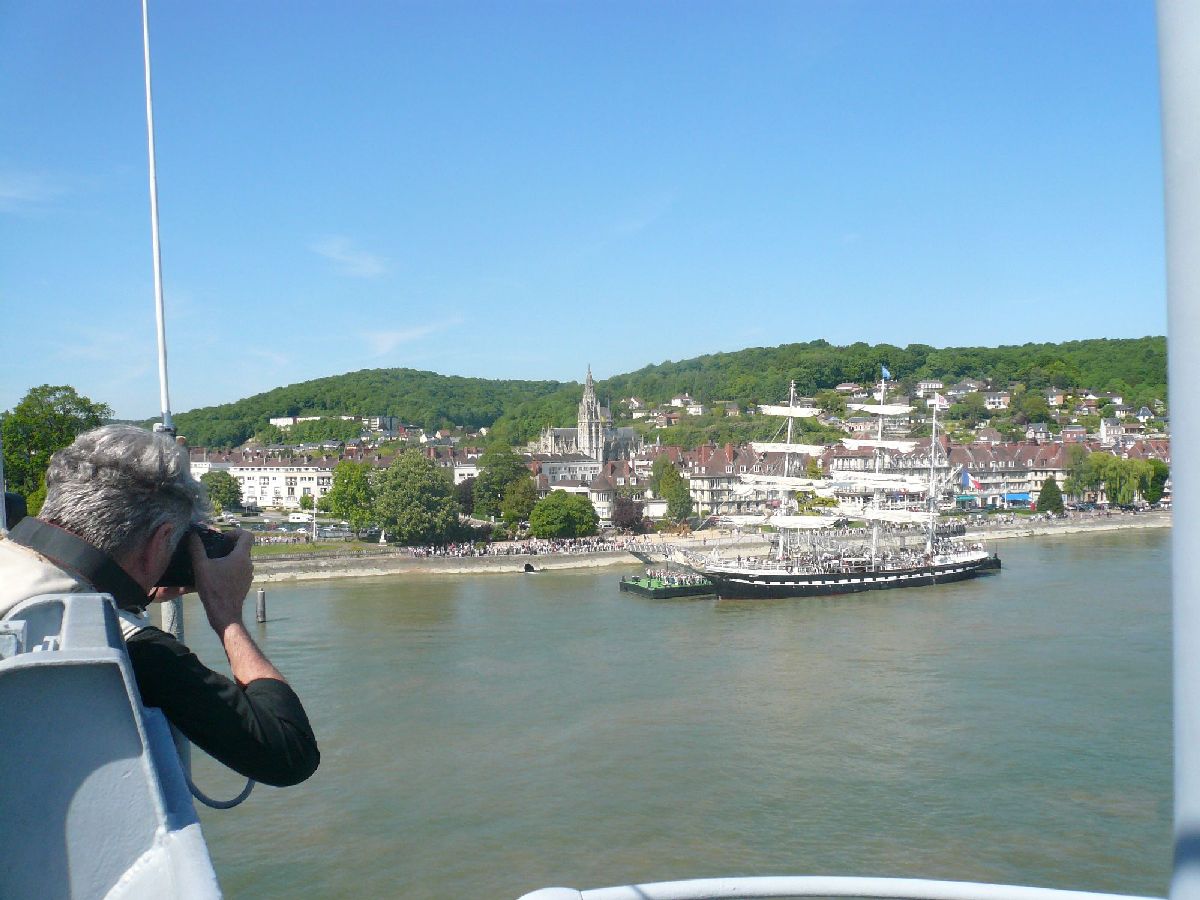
[(531, 547), (281, 538)]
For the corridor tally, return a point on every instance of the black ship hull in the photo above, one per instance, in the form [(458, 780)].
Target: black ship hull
[(774, 584)]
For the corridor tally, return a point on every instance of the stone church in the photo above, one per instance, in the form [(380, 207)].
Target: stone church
[(593, 435)]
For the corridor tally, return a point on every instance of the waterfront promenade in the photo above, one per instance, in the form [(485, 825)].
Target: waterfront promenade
[(591, 554)]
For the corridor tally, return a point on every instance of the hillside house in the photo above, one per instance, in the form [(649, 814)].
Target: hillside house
[(1073, 434)]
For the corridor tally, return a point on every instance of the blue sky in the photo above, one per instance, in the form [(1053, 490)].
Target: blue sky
[(515, 190)]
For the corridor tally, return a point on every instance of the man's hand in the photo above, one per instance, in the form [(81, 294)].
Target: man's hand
[(223, 582)]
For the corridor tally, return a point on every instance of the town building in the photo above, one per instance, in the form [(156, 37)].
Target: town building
[(270, 481), (997, 399)]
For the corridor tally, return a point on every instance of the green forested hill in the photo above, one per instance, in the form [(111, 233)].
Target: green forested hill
[(1137, 367), (762, 374), (416, 398)]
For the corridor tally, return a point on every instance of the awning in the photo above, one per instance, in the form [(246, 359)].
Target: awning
[(1023, 495)]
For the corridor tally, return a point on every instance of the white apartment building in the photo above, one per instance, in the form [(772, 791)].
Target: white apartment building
[(572, 467), (275, 484)]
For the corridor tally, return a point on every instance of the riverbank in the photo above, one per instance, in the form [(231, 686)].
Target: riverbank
[(404, 563), (401, 561), (1119, 521)]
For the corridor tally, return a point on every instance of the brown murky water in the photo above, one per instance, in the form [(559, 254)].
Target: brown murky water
[(484, 736)]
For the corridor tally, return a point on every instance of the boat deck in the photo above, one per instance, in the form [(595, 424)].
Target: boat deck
[(667, 589)]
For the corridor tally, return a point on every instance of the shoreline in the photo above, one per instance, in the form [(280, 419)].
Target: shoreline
[(316, 568), (1120, 522)]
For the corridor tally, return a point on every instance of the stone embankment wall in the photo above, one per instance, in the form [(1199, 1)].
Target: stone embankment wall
[(1120, 521), (312, 567)]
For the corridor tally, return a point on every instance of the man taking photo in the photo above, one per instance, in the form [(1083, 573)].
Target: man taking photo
[(119, 501)]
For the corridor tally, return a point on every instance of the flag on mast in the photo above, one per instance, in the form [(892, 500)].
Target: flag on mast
[(886, 373)]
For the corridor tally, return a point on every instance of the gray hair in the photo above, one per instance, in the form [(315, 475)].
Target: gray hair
[(115, 485)]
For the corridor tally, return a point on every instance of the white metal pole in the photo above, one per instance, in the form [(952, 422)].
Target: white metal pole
[(1179, 71), (3, 511), (167, 424), (172, 610)]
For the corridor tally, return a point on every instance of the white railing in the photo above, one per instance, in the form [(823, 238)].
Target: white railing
[(779, 887)]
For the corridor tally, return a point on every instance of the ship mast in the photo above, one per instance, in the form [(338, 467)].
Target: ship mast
[(931, 499), (878, 465), (787, 457)]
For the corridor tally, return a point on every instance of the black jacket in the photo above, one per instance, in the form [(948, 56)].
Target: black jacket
[(260, 731)]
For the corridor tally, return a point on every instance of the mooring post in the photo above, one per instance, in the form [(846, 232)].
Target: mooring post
[(260, 606)]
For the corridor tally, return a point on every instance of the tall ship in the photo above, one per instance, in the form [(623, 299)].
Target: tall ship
[(805, 564)]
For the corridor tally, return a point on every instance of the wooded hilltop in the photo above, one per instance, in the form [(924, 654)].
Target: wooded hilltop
[(518, 410)]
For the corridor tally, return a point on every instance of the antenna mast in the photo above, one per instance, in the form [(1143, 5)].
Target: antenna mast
[(167, 424)]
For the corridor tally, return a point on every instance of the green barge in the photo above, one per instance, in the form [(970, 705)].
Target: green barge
[(668, 588)]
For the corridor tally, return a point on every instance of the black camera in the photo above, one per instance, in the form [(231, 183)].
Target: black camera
[(179, 571)]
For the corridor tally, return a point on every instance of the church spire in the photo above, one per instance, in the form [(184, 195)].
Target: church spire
[(590, 427)]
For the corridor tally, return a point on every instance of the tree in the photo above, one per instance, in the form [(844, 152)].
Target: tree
[(223, 489), (1159, 472), (414, 502), (813, 468), (464, 493), (1050, 497), (627, 514), (831, 403), (662, 465), (351, 497), (1122, 478), (1076, 469), (674, 489), (269, 435), (519, 500), (807, 502), (559, 515), (46, 419), (1028, 406), (306, 501), (971, 410), (499, 467)]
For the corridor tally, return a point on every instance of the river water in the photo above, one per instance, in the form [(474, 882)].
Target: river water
[(486, 735)]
